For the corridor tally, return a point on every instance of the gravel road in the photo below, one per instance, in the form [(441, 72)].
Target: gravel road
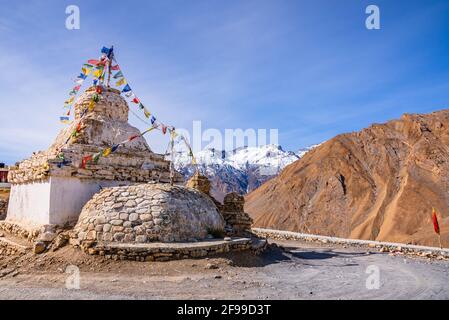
[(303, 271)]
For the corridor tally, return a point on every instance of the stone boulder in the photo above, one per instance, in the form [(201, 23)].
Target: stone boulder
[(153, 212)]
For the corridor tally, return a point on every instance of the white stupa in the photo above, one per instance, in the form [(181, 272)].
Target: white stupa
[(51, 187)]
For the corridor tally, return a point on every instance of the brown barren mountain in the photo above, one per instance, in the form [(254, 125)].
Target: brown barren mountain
[(379, 184)]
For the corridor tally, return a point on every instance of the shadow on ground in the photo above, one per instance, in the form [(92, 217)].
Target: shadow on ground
[(276, 254)]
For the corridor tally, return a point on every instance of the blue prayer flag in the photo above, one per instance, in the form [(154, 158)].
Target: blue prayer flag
[(126, 88), (114, 148)]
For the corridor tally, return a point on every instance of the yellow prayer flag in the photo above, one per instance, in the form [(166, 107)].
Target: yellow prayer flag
[(97, 73), (173, 134), (121, 82), (107, 152), (91, 105), (86, 71), (147, 113), (69, 101)]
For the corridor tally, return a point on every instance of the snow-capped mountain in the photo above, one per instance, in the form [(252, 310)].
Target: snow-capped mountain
[(241, 170)]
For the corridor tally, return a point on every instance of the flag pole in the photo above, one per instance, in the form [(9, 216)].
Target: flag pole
[(439, 239), (109, 65)]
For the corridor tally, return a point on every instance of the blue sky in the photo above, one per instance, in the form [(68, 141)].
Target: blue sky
[(309, 68)]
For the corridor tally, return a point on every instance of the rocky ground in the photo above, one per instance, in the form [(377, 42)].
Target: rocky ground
[(300, 271)]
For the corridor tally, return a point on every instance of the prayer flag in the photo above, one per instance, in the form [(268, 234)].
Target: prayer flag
[(91, 105), (97, 73), (153, 119), (136, 100), (93, 62), (116, 67), (84, 161), (96, 157), (436, 225), (107, 152), (86, 71), (106, 51), (121, 82), (118, 75), (69, 101), (114, 148), (64, 119), (126, 88), (147, 113)]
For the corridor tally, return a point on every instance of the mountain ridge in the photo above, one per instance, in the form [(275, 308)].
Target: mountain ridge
[(377, 184), (240, 170)]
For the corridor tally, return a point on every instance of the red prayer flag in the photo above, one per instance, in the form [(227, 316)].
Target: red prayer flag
[(136, 100), (85, 160), (133, 137), (436, 225), (93, 62), (116, 67), (77, 88)]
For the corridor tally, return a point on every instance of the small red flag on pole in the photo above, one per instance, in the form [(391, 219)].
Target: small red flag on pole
[(436, 225)]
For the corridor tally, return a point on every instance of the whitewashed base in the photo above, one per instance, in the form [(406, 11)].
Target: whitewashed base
[(55, 201)]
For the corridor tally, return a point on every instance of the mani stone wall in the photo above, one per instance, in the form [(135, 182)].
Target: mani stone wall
[(144, 213), (234, 215)]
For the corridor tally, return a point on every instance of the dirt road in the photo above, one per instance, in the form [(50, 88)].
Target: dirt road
[(303, 271)]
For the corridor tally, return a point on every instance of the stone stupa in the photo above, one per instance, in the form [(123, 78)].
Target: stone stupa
[(52, 186)]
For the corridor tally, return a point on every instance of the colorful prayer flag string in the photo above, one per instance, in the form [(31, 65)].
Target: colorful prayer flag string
[(107, 151)]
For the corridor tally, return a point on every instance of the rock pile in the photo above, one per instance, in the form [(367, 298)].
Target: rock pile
[(200, 183), (143, 213), (237, 221)]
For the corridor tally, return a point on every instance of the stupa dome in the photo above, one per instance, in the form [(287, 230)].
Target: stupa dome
[(151, 212)]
